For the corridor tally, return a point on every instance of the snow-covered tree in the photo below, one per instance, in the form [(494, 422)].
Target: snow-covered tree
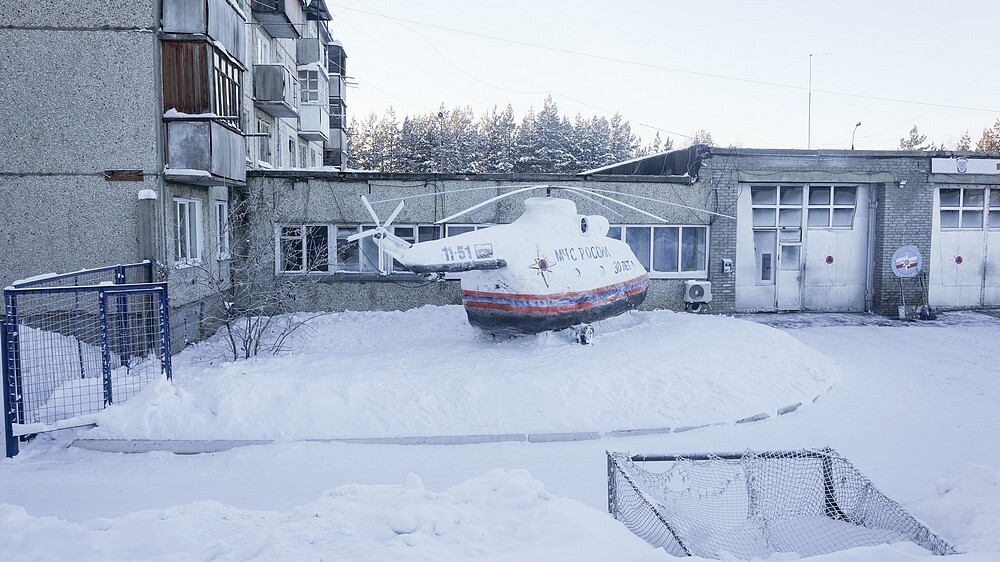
[(497, 135), (990, 141), (964, 143), (622, 143), (701, 136), (914, 142)]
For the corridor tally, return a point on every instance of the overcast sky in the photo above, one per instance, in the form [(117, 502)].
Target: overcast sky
[(740, 70)]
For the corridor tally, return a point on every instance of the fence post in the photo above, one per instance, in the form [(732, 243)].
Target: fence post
[(102, 298), (11, 373), (611, 486), (165, 333), (121, 314)]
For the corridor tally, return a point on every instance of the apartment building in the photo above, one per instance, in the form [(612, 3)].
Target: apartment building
[(151, 115)]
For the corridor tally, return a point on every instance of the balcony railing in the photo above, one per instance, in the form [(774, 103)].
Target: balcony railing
[(274, 90), (204, 152), (280, 18)]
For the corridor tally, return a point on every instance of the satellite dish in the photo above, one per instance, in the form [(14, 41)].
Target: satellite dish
[(906, 262)]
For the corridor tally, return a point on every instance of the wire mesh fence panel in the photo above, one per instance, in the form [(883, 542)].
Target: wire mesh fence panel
[(755, 504), (71, 350)]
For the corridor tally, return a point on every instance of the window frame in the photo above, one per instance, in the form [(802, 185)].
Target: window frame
[(223, 232), (308, 93), (992, 206), (336, 235), (679, 272), (227, 94), (962, 208), (188, 232), (831, 207), (305, 250)]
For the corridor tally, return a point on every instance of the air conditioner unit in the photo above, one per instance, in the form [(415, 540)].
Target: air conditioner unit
[(697, 291)]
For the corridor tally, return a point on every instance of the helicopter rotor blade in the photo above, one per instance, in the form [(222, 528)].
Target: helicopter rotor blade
[(489, 201), (363, 234), (393, 215), (371, 211), (626, 205), (595, 202)]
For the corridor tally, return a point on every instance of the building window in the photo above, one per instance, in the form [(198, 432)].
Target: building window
[(226, 99), (303, 156), (832, 206), (291, 152), (307, 248), (777, 206), (667, 251), (304, 248), (187, 231), (336, 113), (263, 49), (994, 209), (963, 207), (308, 85), (222, 230), (263, 141)]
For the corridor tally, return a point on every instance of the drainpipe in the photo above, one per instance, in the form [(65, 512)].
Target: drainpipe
[(872, 266), (158, 213)]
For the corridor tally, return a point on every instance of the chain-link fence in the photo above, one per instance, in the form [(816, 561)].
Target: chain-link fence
[(754, 504), (73, 344)]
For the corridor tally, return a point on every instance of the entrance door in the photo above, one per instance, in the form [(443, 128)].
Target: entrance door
[(788, 282), (965, 248)]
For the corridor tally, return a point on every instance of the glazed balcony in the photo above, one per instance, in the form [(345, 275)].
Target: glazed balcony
[(274, 90), (314, 122)]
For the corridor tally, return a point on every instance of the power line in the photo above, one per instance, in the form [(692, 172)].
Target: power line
[(666, 68), (495, 86)]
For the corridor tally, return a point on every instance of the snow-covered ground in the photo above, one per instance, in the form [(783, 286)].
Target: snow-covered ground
[(517, 430)]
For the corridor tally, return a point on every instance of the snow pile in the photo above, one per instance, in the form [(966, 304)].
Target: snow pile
[(503, 515), (967, 510), (426, 372)]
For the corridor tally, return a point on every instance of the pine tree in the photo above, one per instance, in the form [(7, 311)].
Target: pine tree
[(497, 134), (418, 144), (964, 143), (701, 136), (914, 142), (990, 141), (622, 144)]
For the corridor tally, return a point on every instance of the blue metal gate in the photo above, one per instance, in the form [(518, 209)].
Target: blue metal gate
[(74, 344)]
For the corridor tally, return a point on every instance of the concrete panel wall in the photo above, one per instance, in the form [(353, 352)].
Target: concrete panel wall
[(64, 223), (317, 197), (129, 14), (79, 98)]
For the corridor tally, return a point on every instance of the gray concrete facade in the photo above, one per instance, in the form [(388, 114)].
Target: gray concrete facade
[(315, 197), (77, 103)]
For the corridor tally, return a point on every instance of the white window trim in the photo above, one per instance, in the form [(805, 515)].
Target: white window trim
[(222, 231), (193, 252), (305, 268), (961, 208), (832, 207), (333, 232), (992, 208), (694, 274)]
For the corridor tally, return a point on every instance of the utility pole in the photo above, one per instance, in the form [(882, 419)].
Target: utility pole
[(809, 132)]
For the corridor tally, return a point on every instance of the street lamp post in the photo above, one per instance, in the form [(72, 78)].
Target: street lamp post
[(856, 125)]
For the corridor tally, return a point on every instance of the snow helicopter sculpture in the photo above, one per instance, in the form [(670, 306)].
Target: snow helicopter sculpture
[(550, 269)]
